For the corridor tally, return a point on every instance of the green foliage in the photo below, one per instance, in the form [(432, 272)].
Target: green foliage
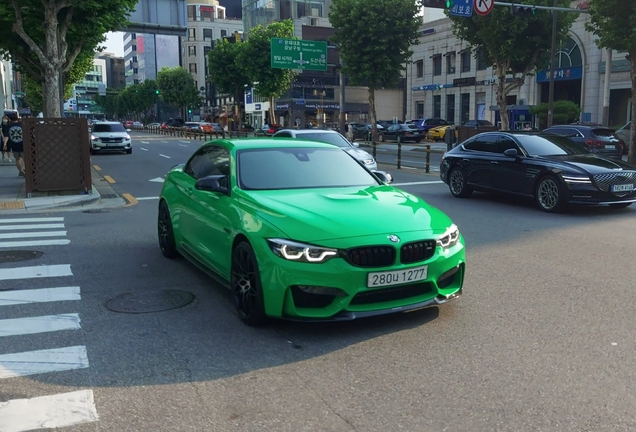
[(564, 112), (135, 99), (177, 87), (227, 71), (255, 58), (109, 103)]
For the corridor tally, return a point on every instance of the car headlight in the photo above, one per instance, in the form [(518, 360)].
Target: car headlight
[(368, 161), (576, 179), (94, 138), (449, 238), (127, 137), (301, 252)]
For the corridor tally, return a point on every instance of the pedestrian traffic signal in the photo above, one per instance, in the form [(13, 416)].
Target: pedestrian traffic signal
[(438, 4), (189, 111), (156, 91), (522, 11)]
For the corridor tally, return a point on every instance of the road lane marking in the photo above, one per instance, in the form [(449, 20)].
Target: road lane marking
[(417, 183), (182, 145), (42, 361), (131, 199), (21, 220), (12, 244), (165, 142), (187, 142), (35, 226), (109, 179), (57, 270), (143, 149), (14, 235), (39, 324), (164, 156), (54, 411), (158, 180), (42, 295), (97, 168), (145, 142), (148, 198)]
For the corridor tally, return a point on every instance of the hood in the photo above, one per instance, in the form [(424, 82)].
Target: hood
[(358, 154), (111, 134), (313, 215), (592, 164)]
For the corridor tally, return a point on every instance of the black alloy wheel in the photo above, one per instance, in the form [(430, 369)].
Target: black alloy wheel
[(246, 285), (457, 184), (549, 194), (165, 232)]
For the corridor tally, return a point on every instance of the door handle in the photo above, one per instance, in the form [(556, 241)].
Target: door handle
[(494, 162), (466, 160)]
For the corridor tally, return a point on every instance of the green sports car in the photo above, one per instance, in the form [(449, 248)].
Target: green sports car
[(302, 231)]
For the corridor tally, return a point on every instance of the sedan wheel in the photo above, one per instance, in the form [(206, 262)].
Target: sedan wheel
[(246, 285), (457, 184), (548, 195), (165, 232)]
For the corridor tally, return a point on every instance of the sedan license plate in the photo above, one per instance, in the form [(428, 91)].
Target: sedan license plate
[(623, 188), (398, 277), (610, 146)]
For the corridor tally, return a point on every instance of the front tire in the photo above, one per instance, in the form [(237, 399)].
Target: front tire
[(549, 195), (457, 184), (165, 232), (129, 151), (246, 286)]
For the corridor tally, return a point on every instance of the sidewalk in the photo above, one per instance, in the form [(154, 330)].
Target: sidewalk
[(14, 199)]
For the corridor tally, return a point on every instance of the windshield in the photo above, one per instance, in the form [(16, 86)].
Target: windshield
[(329, 138), (550, 145), (115, 127), (300, 168)]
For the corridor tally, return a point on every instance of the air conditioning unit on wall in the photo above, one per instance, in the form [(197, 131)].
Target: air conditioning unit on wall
[(521, 102)]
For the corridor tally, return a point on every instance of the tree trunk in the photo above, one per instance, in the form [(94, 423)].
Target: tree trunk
[(500, 70), (631, 157), (374, 127), (272, 101), (51, 92)]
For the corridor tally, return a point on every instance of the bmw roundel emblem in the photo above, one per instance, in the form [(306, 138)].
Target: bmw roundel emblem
[(394, 238)]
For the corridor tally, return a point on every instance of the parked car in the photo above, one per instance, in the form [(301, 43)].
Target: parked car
[(439, 133), (624, 135), (110, 137), (196, 126), (596, 139), (153, 126), (267, 130), (477, 123), (401, 133), (173, 123), (552, 169), (363, 131), (425, 124), (211, 127), (303, 232), (330, 137), (138, 124)]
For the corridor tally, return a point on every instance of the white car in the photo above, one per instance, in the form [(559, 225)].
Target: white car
[(110, 136), (331, 137)]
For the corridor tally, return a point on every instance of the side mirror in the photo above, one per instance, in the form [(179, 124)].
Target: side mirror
[(128, 130), (212, 183), (511, 153), (355, 144), (384, 177)]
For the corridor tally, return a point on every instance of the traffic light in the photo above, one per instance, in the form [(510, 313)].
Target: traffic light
[(157, 91), (522, 11), (438, 4), (189, 111)]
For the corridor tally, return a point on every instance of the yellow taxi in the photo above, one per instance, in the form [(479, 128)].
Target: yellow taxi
[(437, 133)]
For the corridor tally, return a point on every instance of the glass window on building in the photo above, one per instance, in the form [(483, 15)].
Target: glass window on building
[(465, 111), (419, 109), (223, 33), (192, 51), (192, 34), (420, 68), (481, 59), (192, 13), (193, 68), (133, 36), (437, 106), (207, 13), (208, 34), (450, 62), (437, 65), (308, 9), (450, 108), (466, 60)]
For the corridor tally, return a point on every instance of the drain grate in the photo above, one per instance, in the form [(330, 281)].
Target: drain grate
[(152, 301), (18, 255)]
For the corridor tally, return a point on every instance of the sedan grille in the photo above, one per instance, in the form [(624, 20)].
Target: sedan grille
[(371, 256), (391, 294), (112, 140), (605, 181), (417, 251)]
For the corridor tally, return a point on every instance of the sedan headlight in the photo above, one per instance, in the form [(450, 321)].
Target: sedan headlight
[(449, 238), (368, 161), (94, 138), (301, 252), (127, 137), (576, 179)]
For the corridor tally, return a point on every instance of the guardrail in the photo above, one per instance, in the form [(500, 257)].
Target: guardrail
[(397, 150), (194, 134)]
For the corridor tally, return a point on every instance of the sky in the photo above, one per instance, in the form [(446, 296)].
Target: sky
[(115, 43)]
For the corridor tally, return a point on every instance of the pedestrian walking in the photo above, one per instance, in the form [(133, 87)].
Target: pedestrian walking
[(13, 141), (6, 153)]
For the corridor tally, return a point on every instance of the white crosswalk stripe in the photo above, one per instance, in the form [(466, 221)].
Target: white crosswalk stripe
[(48, 410), (31, 232)]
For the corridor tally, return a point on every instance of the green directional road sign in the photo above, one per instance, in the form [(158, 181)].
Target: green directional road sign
[(298, 54)]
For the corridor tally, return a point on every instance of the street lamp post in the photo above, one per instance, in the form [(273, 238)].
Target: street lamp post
[(320, 110)]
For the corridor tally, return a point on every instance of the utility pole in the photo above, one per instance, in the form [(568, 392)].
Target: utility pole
[(341, 118), (552, 67), (606, 88)]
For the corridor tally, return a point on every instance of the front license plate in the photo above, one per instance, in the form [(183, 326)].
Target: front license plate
[(623, 188), (398, 277), (610, 147)]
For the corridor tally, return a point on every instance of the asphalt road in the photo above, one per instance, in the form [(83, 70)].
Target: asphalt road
[(542, 339)]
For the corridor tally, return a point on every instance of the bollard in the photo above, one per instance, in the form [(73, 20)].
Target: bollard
[(373, 145), (428, 158), (399, 155)]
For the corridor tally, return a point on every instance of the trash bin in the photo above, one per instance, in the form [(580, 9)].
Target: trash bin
[(449, 138)]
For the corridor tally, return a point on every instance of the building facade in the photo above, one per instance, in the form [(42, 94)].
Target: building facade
[(94, 83), (115, 71), (446, 79), (146, 54), (7, 90)]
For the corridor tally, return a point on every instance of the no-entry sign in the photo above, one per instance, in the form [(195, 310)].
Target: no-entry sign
[(483, 7)]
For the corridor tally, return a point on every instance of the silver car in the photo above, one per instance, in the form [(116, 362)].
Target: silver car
[(330, 137), (110, 136)]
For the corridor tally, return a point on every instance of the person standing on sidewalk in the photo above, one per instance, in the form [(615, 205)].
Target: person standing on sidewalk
[(13, 141), (6, 154)]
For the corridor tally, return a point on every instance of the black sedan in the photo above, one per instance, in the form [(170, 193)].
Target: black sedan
[(401, 133), (552, 169)]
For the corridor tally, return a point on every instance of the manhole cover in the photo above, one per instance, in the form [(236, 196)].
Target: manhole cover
[(153, 301), (19, 255)]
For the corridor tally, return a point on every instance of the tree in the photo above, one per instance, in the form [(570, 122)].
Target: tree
[(614, 23), (513, 45), (178, 88), (108, 103), (227, 71), (374, 40), (564, 111), (267, 81), (45, 37)]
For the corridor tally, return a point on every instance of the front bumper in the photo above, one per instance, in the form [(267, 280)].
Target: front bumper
[(346, 295), (102, 146), (589, 194)]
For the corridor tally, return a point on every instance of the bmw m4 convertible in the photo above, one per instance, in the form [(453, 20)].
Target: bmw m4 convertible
[(306, 232)]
